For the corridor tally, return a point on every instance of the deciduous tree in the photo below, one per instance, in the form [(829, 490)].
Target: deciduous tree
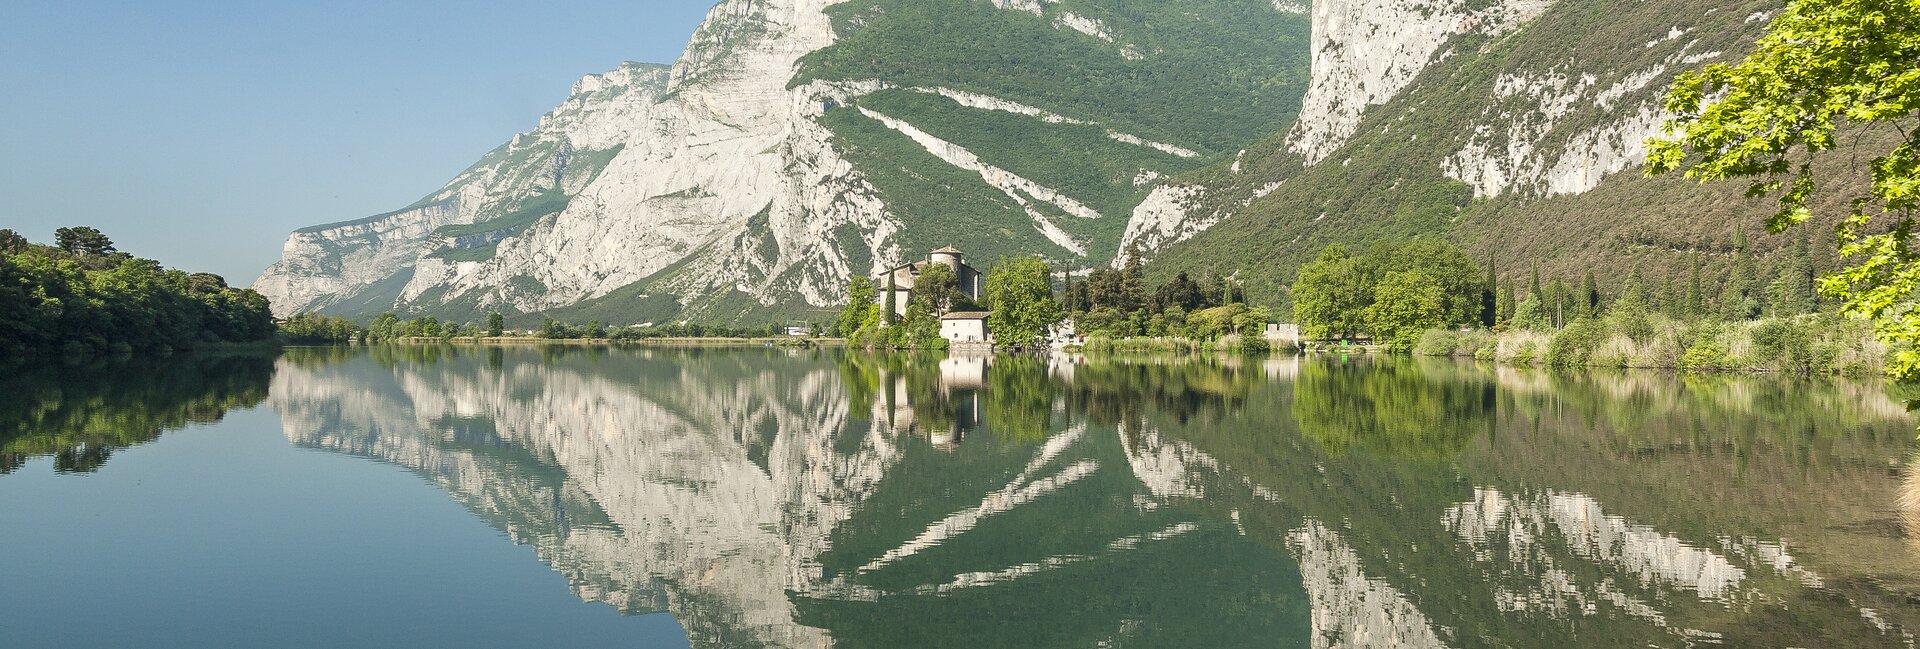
[(1823, 65)]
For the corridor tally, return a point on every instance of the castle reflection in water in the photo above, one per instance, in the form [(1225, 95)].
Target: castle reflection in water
[(819, 498)]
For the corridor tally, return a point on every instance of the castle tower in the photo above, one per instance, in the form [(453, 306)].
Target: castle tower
[(949, 257)]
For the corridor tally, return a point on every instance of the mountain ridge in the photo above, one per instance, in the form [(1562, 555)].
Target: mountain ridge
[(797, 143), (772, 161)]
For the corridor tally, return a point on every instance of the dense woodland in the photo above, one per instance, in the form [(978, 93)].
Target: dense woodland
[(81, 295)]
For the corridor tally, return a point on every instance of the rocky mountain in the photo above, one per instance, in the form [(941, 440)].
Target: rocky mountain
[(1514, 127), (799, 142)]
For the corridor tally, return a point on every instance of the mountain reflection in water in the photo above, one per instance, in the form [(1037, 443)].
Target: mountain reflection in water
[(814, 498)]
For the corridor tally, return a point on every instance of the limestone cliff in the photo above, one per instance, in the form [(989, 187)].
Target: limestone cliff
[(1484, 122), (773, 161)]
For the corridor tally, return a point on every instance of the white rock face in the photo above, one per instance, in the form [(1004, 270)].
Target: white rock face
[(704, 148), (1022, 191), (1516, 145), (723, 554), (1365, 52), (1166, 217), (1349, 607)]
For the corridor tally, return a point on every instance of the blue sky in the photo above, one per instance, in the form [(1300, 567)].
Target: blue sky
[(202, 133)]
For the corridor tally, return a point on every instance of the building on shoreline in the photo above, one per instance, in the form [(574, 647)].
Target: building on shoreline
[(900, 279), (966, 329)]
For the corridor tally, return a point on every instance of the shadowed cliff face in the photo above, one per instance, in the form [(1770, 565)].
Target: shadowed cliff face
[(770, 498)]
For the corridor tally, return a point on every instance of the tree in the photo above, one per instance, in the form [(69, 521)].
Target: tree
[(935, 288), (496, 324), (893, 297), (82, 240), (1405, 305), (860, 305), (1589, 297), (1443, 262), (1531, 315), (1021, 297), (1181, 292), (1822, 64), (1490, 297), (1797, 281), (1695, 304), (1134, 279), (11, 242), (1330, 295)]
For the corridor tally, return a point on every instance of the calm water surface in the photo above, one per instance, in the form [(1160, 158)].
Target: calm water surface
[(459, 497)]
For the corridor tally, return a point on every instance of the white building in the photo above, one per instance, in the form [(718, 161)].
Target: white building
[(963, 327)]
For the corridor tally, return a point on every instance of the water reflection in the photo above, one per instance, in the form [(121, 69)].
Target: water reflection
[(774, 498), (82, 413)]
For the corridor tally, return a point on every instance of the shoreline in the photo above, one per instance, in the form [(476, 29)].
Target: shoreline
[(523, 341)]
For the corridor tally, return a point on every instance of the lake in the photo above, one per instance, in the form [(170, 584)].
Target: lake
[(569, 496)]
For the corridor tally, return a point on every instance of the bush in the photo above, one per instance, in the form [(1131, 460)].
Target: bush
[(1446, 342), (1526, 354), (1254, 345), (1706, 356), (1575, 345)]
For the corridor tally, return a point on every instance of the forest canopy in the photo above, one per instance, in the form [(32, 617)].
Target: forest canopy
[(83, 296)]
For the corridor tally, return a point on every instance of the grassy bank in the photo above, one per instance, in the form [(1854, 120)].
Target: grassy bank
[(1809, 344)]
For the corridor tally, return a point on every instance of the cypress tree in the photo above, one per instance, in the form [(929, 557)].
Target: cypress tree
[(1696, 302), (1589, 297), (892, 288), (1820, 259), (1489, 302), (1737, 295), (1799, 277)]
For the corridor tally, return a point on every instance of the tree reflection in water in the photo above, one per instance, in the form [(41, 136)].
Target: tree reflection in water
[(803, 498), (80, 414)]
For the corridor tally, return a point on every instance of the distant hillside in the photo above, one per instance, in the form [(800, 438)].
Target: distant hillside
[(1523, 143)]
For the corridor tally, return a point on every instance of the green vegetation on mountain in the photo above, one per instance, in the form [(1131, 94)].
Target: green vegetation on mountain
[(1823, 64), (82, 296), (1208, 76), (1388, 182)]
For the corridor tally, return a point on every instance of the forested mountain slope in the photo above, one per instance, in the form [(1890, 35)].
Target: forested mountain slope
[(1522, 143)]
